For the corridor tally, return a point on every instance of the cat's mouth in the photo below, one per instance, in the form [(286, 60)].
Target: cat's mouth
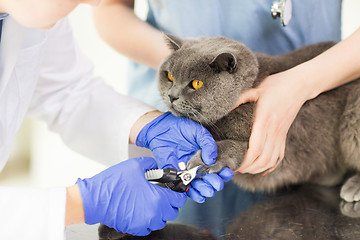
[(177, 111), (193, 113)]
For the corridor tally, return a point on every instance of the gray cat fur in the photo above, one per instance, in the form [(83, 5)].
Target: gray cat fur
[(322, 143)]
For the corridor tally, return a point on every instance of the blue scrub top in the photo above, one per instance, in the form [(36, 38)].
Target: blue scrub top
[(248, 21)]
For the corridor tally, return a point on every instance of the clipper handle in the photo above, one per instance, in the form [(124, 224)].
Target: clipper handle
[(169, 177)]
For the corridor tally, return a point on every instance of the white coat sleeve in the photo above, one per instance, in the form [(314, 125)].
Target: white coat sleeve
[(30, 214), (90, 116)]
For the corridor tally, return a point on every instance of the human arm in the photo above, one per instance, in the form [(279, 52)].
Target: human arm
[(89, 115), (74, 206), (124, 182), (118, 25), (42, 213), (280, 96), (121, 198)]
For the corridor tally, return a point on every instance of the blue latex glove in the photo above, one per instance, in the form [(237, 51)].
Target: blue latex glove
[(202, 188), (175, 139), (121, 198)]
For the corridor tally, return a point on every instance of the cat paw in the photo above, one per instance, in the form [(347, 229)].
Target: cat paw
[(196, 160), (350, 209), (350, 191)]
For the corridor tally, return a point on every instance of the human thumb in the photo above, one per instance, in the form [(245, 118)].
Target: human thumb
[(146, 163), (249, 95)]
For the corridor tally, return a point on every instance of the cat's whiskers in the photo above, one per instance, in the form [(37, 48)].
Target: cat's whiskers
[(209, 124), (192, 113)]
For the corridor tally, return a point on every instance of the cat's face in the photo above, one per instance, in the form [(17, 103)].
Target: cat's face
[(203, 78)]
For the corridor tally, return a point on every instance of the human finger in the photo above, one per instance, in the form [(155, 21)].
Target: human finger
[(281, 156), (270, 155), (226, 174), (266, 160), (214, 180), (204, 188), (256, 145), (249, 95), (176, 199), (157, 224), (208, 148), (195, 195)]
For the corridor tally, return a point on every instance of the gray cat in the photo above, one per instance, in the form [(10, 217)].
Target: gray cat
[(202, 80)]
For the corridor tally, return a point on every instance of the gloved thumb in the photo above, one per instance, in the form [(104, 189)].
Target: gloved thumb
[(249, 95), (167, 161), (147, 163), (208, 148)]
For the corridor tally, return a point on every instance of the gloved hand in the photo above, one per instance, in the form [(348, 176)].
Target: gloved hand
[(121, 198), (175, 139), (202, 188)]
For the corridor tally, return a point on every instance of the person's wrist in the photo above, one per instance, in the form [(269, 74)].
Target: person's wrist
[(141, 123), (304, 84), (312, 81), (74, 206)]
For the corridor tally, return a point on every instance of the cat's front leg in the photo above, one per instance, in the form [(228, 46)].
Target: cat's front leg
[(230, 154)]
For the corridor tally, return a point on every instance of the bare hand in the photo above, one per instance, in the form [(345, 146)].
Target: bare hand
[(278, 100)]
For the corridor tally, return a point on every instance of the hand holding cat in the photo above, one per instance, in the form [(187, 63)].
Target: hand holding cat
[(175, 139), (279, 97), (278, 100)]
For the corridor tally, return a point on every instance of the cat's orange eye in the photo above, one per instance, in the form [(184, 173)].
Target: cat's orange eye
[(170, 77), (197, 84)]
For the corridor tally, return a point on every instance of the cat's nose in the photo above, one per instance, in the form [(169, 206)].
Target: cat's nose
[(172, 98)]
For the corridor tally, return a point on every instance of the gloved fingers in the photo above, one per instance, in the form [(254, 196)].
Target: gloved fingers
[(171, 162), (226, 174), (195, 195), (204, 188), (176, 199), (170, 214), (156, 224), (143, 228), (169, 166), (146, 163), (214, 180), (208, 148), (165, 158), (138, 231)]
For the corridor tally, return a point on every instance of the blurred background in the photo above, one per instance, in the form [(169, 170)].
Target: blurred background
[(39, 158)]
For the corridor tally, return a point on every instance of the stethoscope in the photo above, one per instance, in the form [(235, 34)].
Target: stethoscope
[(282, 9)]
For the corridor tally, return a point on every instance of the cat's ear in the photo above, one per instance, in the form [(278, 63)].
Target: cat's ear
[(224, 62), (173, 42)]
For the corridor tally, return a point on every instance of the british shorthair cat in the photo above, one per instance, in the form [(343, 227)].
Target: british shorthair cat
[(203, 78)]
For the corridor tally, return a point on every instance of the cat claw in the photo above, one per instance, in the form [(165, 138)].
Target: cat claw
[(196, 161)]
